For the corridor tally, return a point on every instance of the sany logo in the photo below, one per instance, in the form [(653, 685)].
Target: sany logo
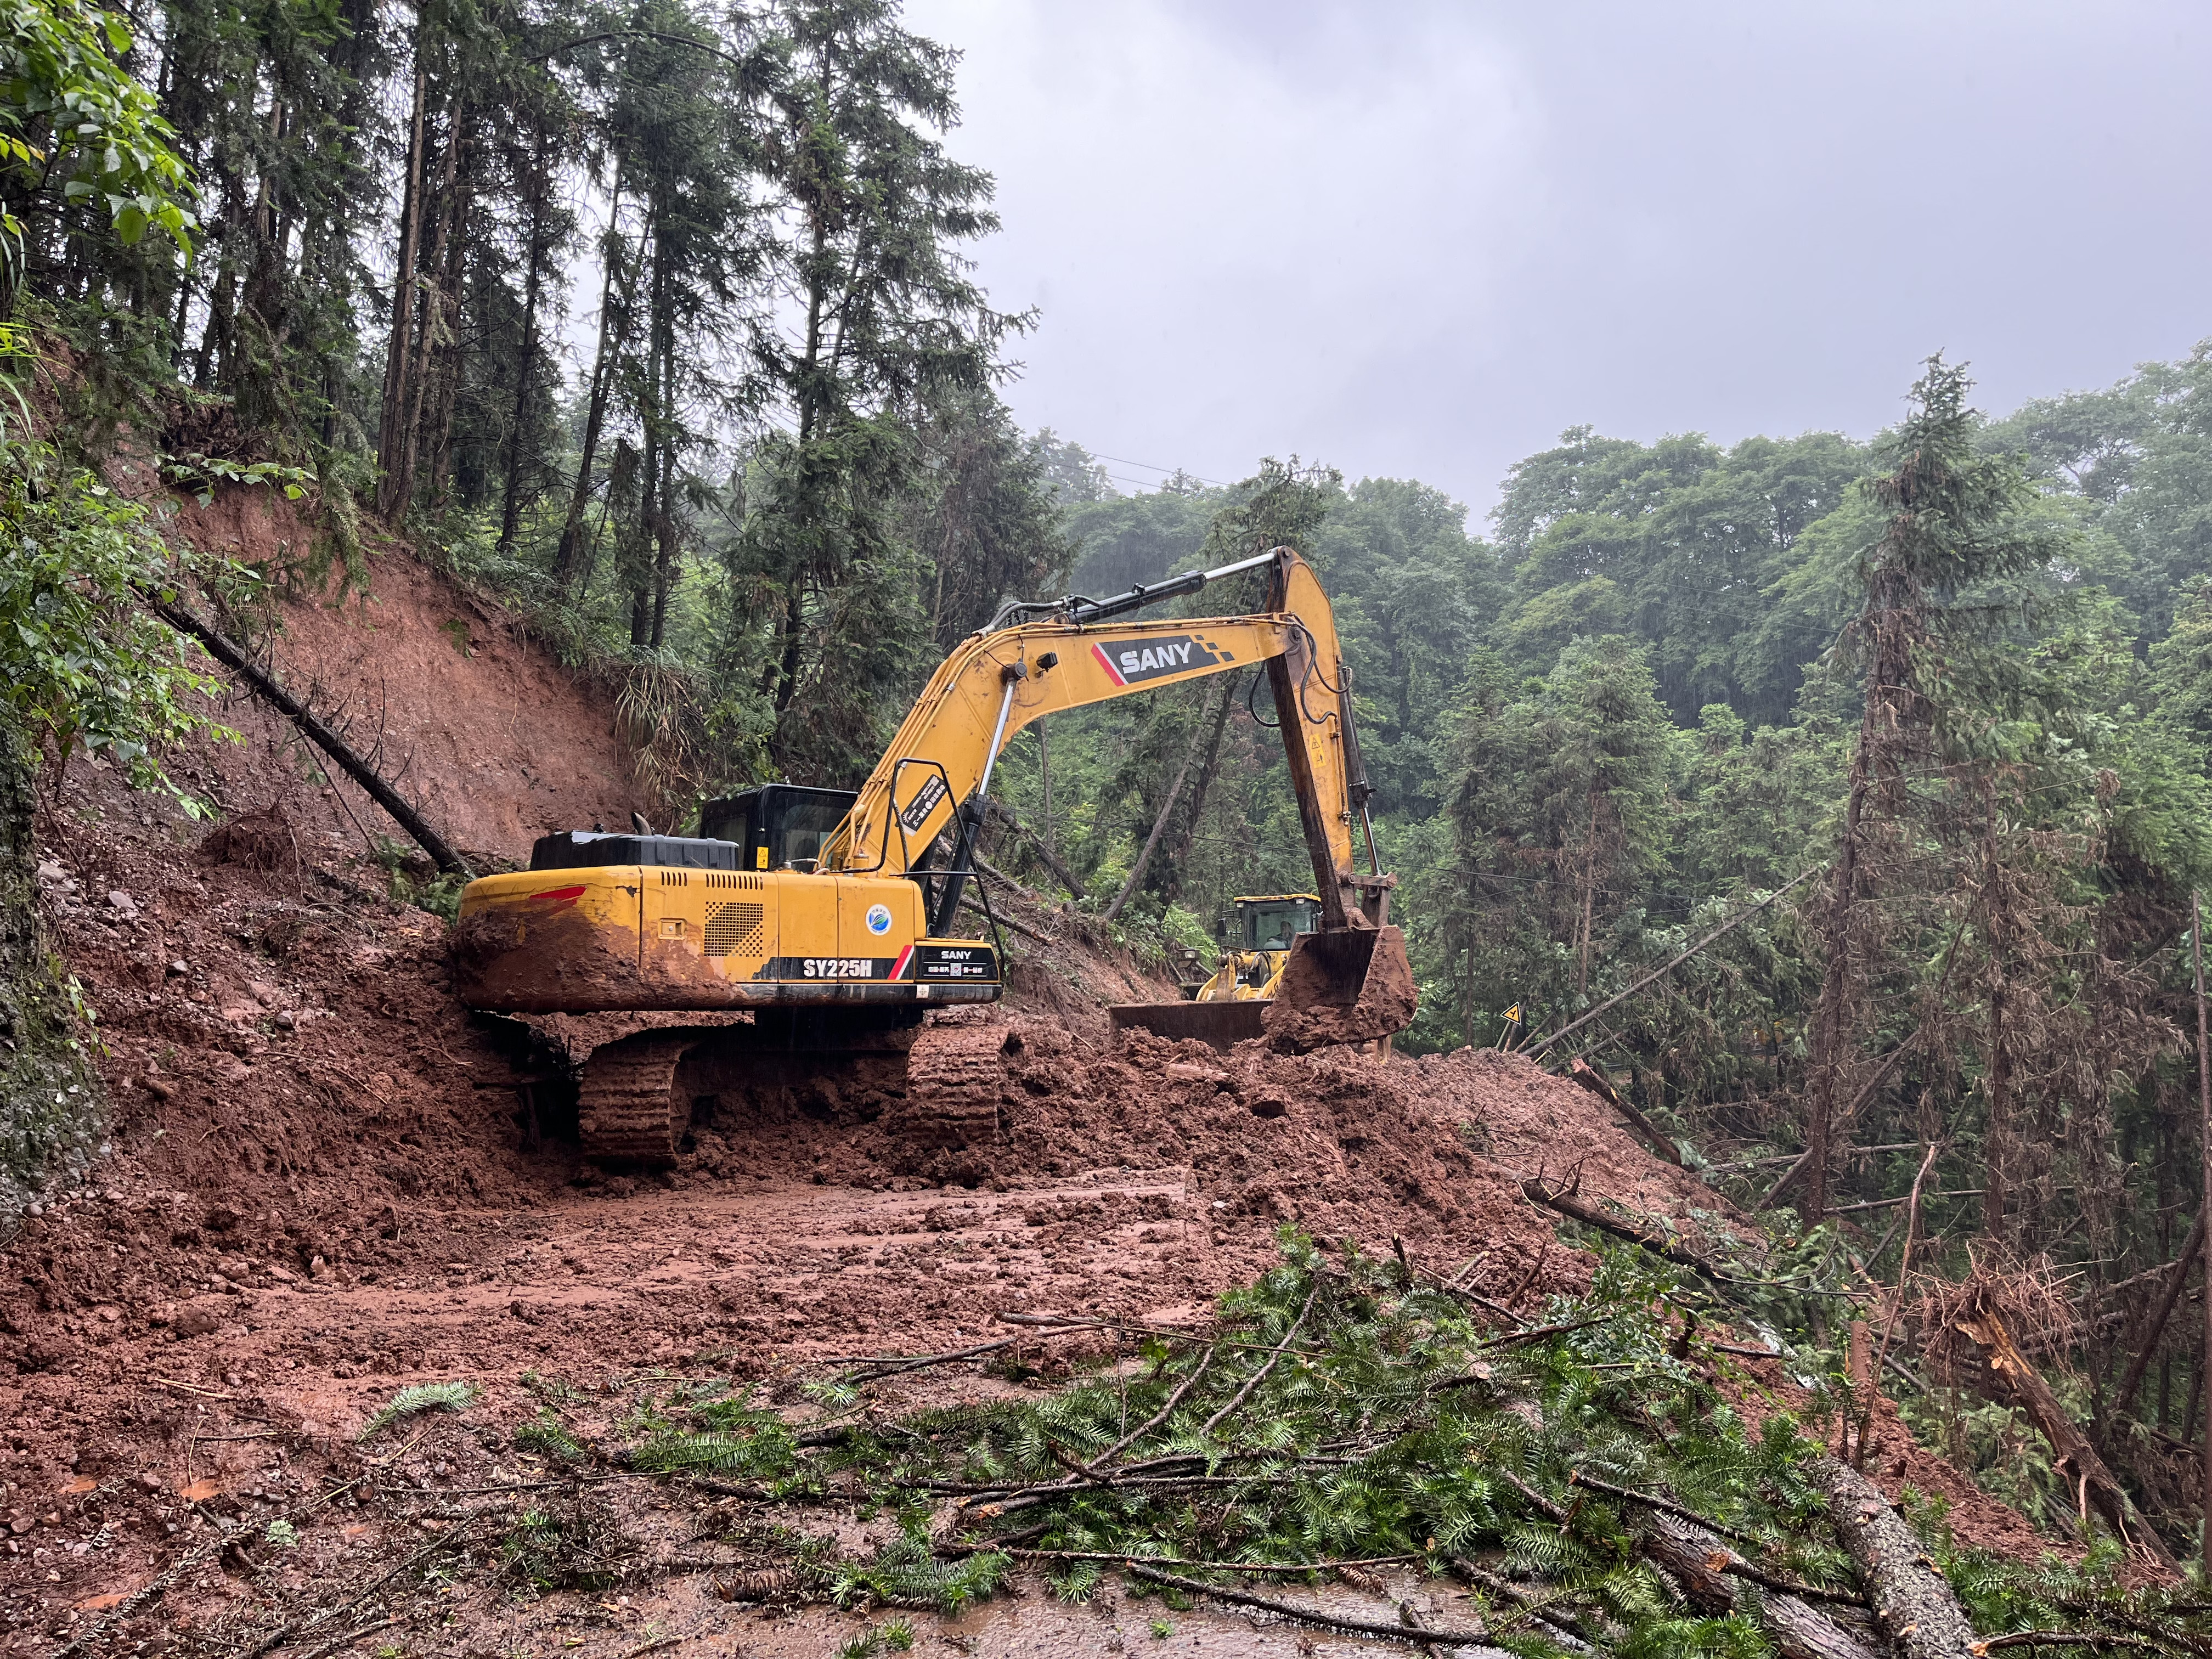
[(1130, 662)]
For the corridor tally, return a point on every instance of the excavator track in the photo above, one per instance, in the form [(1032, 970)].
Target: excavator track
[(626, 1108), (956, 1073)]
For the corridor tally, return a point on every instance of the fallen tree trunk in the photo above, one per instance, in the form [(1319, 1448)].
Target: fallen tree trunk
[(1601, 1085), (1708, 1572), (1912, 1603), (2010, 1379), (231, 657), (1704, 1567), (1579, 1209), (1046, 856)]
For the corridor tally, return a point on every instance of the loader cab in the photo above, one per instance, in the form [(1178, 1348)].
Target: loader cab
[(778, 825), (1271, 924)]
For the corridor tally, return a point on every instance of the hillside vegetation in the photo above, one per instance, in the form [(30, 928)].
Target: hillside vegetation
[(1946, 686)]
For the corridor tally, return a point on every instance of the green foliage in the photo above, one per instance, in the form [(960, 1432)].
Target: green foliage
[(203, 475), (549, 1437), (416, 1398), (413, 880), (74, 126), (86, 665), (281, 1534), (906, 1573)]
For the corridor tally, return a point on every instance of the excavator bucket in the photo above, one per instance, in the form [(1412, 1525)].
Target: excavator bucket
[(1354, 985), (1220, 1024), (1343, 985)]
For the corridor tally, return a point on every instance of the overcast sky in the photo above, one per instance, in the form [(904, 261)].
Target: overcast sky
[(1421, 240)]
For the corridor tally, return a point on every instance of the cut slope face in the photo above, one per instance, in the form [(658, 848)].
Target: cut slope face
[(493, 741)]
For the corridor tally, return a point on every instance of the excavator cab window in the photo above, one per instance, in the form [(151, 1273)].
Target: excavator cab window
[(776, 825), (1271, 924)]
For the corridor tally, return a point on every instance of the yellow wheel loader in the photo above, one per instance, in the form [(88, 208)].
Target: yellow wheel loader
[(830, 917), (1258, 945)]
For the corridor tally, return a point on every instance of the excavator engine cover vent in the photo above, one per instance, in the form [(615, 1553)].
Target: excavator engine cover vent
[(733, 930)]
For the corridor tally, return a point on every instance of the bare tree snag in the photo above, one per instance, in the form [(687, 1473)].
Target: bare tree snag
[(1912, 1603), (231, 657)]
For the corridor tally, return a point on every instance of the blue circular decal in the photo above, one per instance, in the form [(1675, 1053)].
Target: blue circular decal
[(879, 918)]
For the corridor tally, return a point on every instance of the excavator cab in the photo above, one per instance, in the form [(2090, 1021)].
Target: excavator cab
[(778, 826), (1271, 924)]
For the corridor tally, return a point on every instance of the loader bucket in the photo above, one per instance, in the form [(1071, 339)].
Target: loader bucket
[(1220, 1024), (1343, 985)]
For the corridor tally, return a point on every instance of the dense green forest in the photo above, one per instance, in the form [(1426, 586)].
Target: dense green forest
[(1953, 677)]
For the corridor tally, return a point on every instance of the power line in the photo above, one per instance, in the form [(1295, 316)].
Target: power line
[(1123, 460)]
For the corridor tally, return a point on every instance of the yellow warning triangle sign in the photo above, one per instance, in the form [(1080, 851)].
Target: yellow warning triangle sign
[(1513, 1012)]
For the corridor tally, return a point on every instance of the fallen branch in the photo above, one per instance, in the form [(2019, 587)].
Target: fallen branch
[(1601, 1085), (1667, 1506), (233, 658), (1703, 1566), (284, 1633), (1528, 1604), (1569, 1205), (1021, 927), (1912, 1602), (1726, 928), (2079, 1638), (921, 1362), (1309, 1615), (1126, 1558), (1050, 859), (1261, 1376)]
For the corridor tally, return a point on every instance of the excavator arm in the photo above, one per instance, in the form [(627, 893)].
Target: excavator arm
[(998, 681)]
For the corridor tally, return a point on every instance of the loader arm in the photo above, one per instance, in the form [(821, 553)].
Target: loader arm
[(996, 681)]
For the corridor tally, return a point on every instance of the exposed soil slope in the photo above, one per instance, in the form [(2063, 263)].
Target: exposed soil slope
[(323, 1181), (494, 742)]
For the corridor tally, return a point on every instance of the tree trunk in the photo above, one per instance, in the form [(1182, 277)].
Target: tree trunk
[(1912, 1601), (1699, 1562), (51, 1102), (1994, 913), (612, 326), (786, 660), (1159, 824), (2010, 1379), (400, 352), (1178, 845), (510, 514), (401, 478), (379, 790), (1589, 901), (1044, 782)]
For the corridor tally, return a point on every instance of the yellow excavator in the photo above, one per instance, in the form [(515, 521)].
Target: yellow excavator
[(830, 917)]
